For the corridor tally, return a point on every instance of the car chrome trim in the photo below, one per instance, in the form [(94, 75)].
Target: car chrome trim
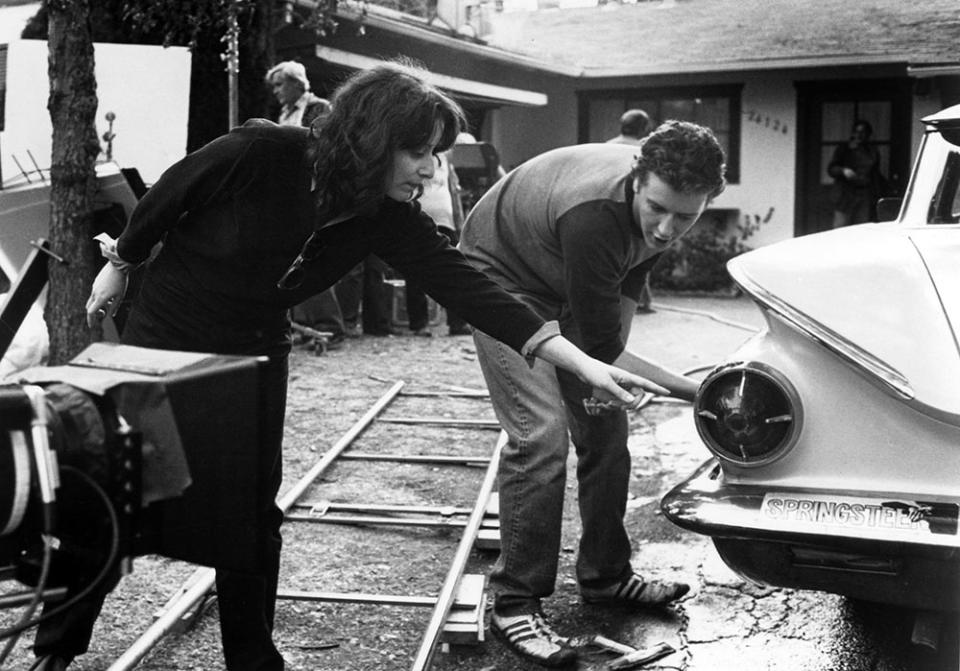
[(830, 339), (794, 418), (705, 505)]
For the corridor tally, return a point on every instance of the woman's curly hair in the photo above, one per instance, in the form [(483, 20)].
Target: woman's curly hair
[(375, 113), (686, 156)]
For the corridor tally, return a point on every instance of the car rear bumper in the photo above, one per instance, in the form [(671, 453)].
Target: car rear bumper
[(704, 503), (894, 559)]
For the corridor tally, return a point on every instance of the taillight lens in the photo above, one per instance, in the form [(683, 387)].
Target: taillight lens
[(747, 413)]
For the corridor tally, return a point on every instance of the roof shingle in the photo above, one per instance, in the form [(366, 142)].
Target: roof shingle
[(722, 34)]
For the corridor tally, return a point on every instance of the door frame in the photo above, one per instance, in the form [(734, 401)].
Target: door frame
[(811, 96)]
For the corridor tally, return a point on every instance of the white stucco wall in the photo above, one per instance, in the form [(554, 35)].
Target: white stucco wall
[(768, 132)]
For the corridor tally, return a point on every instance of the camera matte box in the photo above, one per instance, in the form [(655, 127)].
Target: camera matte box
[(202, 410)]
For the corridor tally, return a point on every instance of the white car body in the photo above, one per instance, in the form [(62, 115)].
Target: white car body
[(836, 430)]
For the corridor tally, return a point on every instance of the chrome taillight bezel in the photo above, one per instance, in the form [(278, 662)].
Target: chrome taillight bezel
[(772, 378)]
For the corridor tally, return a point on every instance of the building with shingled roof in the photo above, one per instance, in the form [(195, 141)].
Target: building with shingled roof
[(779, 81)]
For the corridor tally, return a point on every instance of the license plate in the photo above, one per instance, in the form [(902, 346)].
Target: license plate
[(883, 519)]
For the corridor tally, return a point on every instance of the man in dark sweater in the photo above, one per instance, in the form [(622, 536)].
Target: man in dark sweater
[(573, 233)]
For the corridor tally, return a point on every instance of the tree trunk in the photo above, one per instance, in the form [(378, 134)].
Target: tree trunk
[(73, 107)]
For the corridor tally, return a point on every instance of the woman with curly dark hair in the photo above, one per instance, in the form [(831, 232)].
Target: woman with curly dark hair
[(261, 218)]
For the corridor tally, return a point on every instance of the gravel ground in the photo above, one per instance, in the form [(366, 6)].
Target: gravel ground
[(328, 394)]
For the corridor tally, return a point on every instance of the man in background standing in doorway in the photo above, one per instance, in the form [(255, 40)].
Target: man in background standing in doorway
[(299, 107), (858, 184)]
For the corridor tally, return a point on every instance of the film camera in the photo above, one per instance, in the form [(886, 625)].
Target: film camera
[(69, 488), (124, 451), (127, 451)]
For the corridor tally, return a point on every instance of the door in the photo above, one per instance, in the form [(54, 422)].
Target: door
[(826, 113)]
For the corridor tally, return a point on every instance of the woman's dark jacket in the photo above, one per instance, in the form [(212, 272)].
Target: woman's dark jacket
[(232, 217)]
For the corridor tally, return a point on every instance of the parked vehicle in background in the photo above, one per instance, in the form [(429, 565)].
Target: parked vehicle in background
[(835, 432), (142, 121), (24, 220)]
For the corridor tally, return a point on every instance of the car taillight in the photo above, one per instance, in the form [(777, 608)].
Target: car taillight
[(747, 413)]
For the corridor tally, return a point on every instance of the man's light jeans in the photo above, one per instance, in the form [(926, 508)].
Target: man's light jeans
[(535, 407)]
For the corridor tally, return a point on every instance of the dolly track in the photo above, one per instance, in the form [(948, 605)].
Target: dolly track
[(197, 587)]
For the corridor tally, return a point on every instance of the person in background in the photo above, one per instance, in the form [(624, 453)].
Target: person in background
[(365, 300), (578, 252), (265, 216), (299, 107), (858, 182), (634, 126), (441, 201)]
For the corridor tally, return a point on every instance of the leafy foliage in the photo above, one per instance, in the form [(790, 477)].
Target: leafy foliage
[(180, 22), (698, 261)]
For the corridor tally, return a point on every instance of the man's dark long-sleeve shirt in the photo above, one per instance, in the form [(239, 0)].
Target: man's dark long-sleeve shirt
[(232, 217)]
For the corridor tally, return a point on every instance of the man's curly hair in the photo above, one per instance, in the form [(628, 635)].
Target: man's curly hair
[(375, 113), (686, 156)]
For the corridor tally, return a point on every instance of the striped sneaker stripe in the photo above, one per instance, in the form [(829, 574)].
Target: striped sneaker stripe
[(638, 592), (520, 631), (530, 636), (631, 589)]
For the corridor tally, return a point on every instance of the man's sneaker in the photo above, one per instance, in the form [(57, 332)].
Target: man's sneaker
[(531, 637), (636, 592)]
